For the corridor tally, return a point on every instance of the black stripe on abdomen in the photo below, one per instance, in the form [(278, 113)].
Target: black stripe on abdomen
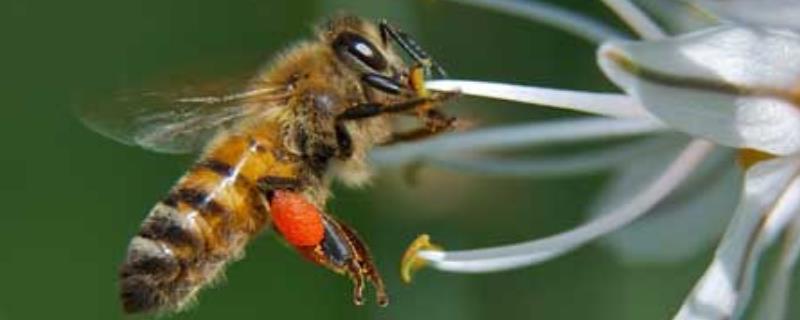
[(223, 169), (194, 198), (168, 229)]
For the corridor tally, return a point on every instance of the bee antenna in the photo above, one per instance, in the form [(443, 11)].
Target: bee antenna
[(410, 47)]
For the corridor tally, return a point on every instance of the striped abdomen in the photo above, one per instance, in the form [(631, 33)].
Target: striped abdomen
[(205, 222)]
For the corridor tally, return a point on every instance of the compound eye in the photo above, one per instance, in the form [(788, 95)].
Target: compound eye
[(361, 49)]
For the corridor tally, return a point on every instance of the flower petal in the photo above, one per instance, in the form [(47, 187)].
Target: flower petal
[(737, 86), (770, 200), (776, 300), (679, 17), (777, 13), (536, 251), (689, 221)]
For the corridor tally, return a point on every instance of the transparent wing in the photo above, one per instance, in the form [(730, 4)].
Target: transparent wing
[(180, 121)]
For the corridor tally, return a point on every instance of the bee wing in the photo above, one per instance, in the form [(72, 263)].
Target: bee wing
[(176, 122)]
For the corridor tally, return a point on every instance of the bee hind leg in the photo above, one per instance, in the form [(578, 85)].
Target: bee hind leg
[(343, 252)]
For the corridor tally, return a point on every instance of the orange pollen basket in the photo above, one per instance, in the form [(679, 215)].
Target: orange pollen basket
[(299, 221)]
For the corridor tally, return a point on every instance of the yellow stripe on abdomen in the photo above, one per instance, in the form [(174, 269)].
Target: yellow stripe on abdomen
[(205, 222)]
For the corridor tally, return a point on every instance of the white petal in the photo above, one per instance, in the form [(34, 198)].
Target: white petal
[(777, 13), (688, 222), (776, 300), (585, 129), (606, 104), (734, 85), (536, 251), (679, 17), (771, 198)]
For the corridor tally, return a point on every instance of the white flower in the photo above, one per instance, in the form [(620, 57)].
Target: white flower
[(736, 84), (733, 84), (774, 13)]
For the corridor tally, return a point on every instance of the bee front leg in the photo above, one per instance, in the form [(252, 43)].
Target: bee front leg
[(343, 252), (434, 123), (369, 110)]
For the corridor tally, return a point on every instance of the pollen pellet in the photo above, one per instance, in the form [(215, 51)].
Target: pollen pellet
[(299, 221)]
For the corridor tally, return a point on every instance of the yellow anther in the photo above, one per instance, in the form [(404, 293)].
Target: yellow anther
[(749, 157), (417, 79), (411, 262)]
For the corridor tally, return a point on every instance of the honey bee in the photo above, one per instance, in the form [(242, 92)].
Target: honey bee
[(268, 155)]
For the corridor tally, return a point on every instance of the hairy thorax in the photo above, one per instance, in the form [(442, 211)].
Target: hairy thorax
[(325, 88)]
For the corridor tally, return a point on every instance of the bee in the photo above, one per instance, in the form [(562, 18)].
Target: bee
[(268, 154)]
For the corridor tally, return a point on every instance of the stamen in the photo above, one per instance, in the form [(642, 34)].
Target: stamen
[(570, 22), (536, 251), (606, 104), (525, 135), (551, 166), (411, 262)]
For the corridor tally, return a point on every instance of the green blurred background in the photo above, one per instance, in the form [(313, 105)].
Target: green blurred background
[(72, 199)]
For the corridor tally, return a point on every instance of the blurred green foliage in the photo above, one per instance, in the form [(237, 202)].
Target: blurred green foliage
[(72, 199)]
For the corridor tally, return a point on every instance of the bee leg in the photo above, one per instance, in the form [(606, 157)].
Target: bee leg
[(343, 252), (435, 122), (368, 110), (365, 263)]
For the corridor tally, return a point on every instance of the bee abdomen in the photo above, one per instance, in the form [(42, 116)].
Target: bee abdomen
[(165, 224), (204, 223), (187, 239), (162, 260), (146, 276)]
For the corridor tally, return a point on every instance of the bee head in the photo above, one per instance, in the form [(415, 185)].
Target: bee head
[(359, 44), (366, 48)]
